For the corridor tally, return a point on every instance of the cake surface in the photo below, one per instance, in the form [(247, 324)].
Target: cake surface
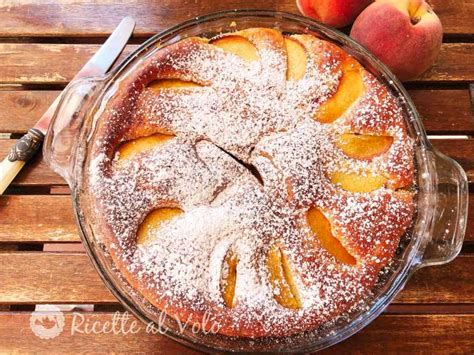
[(255, 180)]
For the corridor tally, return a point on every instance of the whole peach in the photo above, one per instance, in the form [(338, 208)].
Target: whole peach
[(337, 13), (405, 34)]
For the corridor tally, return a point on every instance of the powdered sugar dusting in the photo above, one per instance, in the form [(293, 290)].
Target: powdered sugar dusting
[(244, 118)]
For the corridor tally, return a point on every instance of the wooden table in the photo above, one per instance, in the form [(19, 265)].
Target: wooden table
[(44, 43)]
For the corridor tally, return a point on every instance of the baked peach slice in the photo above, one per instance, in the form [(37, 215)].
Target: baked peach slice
[(296, 59), (353, 182), (237, 45), (282, 279), (129, 149), (363, 147), (153, 221), (163, 84), (321, 227), (229, 279), (351, 87)]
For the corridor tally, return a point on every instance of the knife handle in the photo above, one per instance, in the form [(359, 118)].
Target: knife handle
[(23, 150)]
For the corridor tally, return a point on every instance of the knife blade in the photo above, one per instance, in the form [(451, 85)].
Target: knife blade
[(27, 146), (99, 64)]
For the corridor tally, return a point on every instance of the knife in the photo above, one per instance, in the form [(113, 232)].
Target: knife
[(27, 146)]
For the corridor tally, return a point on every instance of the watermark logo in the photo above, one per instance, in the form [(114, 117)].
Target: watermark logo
[(47, 324)]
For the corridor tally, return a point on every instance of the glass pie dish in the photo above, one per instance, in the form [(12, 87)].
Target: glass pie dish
[(435, 237)]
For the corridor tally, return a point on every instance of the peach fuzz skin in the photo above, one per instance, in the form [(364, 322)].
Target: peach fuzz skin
[(405, 34), (337, 13)]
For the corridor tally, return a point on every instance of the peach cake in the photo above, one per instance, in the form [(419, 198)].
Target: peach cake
[(255, 179)]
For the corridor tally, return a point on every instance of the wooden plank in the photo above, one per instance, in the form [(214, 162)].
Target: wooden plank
[(50, 64), (49, 219), (19, 110), (470, 220), (37, 219), (443, 111), (414, 334), (41, 277), (461, 150), (401, 308), (456, 15), (454, 63), (422, 334), (441, 284), (98, 18), (38, 173), (58, 63)]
